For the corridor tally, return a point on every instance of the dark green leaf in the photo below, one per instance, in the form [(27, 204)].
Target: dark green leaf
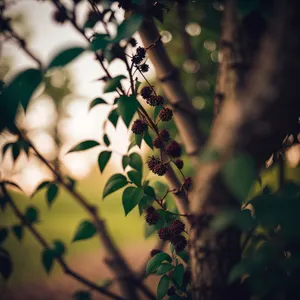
[(149, 230), (125, 161), (82, 295), (178, 274), (106, 140), (3, 202), (149, 190), (128, 27), (148, 139), (85, 230), (97, 101), (138, 139), (6, 265), (84, 146), (131, 145), (47, 260), (127, 106), (239, 174), (31, 214), (175, 297), (100, 42), (164, 268), (15, 151), (59, 248), (113, 117), (136, 161), (18, 230), (114, 183), (40, 186), (135, 177), (145, 202), (65, 56), (157, 109), (246, 7), (112, 84), (20, 90), (6, 147), (137, 85), (163, 287), (156, 261), (103, 159), (3, 234), (184, 256), (131, 197), (240, 269), (52, 192)]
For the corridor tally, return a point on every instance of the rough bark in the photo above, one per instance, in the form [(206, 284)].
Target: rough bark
[(255, 120)]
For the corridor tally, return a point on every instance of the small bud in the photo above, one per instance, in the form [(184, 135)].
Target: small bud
[(179, 163), (154, 252), (166, 114), (187, 183), (179, 242), (138, 126), (174, 149), (132, 42)]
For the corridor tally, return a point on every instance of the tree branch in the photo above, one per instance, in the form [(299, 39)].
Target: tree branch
[(67, 270)]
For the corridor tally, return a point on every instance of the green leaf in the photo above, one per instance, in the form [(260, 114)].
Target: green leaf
[(112, 84), (103, 159), (114, 183), (6, 147), (178, 274), (59, 248), (84, 146), (131, 197), (163, 287), (52, 192), (19, 90), (131, 145), (15, 151), (31, 214), (156, 261), (128, 27), (138, 139), (184, 256), (18, 230), (149, 230), (113, 117), (125, 161), (82, 295), (127, 106), (100, 42), (246, 7), (136, 161), (106, 140), (145, 202), (157, 110), (85, 230), (135, 177), (3, 234), (148, 139), (47, 260), (164, 268), (65, 56), (149, 190), (241, 268), (239, 173), (6, 265), (96, 101)]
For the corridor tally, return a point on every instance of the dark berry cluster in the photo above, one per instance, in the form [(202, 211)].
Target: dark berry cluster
[(144, 68), (166, 114), (164, 135), (152, 216), (173, 234), (157, 166), (132, 42), (146, 92), (174, 149), (60, 16), (157, 142), (138, 126), (139, 56)]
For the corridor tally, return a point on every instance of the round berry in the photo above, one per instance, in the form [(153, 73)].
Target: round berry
[(132, 42), (152, 216), (136, 59), (138, 126), (146, 92), (144, 68), (152, 162), (160, 169), (164, 135), (164, 233), (177, 227), (179, 163), (174, 149), (157, 142), (171, 291), (166, 114), (60, 16), (179, 242), (140, 51), (187, 184), (154, 252), (160, 100)]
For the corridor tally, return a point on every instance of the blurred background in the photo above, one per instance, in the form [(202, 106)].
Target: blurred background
[(58, 118)]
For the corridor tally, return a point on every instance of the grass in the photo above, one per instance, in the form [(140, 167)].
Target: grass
[(60, 222)]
